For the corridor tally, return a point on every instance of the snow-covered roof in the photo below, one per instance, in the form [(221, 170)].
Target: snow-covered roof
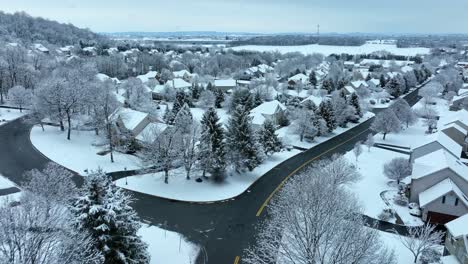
[(159, 88), (385, 63), (350, 89), (459, 226), (40, 47), (299, 77), (181, 73), (425, 165), (317, 100), (375, 81), (102, 77), (407, 68), (129, 117), (349, 63), (146, 77), (266, 109), (440, 189), (393, 74), (461, 116), (151, 132), (225, 83), (357, 84), (179, 83)]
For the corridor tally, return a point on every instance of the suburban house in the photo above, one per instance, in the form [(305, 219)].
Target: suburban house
[(151, 75), (349, 65), (385, 63), (439, 184), (39, 47), (152, 131), (225, 85), (312, 98), (184, 74), (257, 71), (177, 84), (458, 101), (373, 83), (452, 138), (268, 110), (348, 89), (462, 64), (298, 78), (456, 241), (359, 84), (130, 121)]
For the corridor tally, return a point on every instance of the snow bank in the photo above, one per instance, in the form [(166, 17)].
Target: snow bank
[(5, 183), (168, 247), (78, 154), (207, 191), (7, 114), (327, 50)]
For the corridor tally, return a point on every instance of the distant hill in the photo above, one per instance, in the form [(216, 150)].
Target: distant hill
[(25, 28)]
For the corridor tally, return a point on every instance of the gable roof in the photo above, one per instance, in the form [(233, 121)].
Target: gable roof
[(299, 77), (459, 226), (425, 165), (149, 75), (178, 83), (225, 83), (357, 84), (181, 73), (151, 132), (267, 108), (317, 100), (129, 117), (440, 189)]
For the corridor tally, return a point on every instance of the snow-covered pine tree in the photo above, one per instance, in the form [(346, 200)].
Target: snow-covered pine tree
[(313, 79), (212, 153), (104, 211), (219, 97), (328, 85), (393, 87), (310, 105), (168, 116), (382, 80), (257, 100), (354, 102), (183, 119), (327, 113), (243, 148), (268, 138)]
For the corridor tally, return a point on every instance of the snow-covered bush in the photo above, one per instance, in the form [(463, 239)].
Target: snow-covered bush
[(386, 214), (400, 200), (430, 256)]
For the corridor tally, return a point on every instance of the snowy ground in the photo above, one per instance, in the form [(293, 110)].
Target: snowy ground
[(9, 115), (402, 254), (289, 137), (207, 191), (327, 49), (5, 184), (168, 247), (78, 154)]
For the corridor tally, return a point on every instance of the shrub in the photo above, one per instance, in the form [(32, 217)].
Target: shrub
[(385, 215), (401, 200), (372, 102)]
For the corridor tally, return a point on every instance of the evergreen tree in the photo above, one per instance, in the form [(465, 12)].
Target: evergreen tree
[(268, 138), (393, 87), (180, 100), (313, 78), (257, 100), (383, 82), (212, 153), (354, 102), (310, 105), (168, 116), (196, 91), (328, 114), (104, 211), (183, 119), (241, 97), (219, 97), (328, 85), (241, 142), (209, 86), (369, 77)]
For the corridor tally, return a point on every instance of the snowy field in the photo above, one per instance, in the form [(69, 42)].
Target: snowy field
[(168, 247), (327, 50), (289, 137), (78, 154), (207, 191), (9, 115)]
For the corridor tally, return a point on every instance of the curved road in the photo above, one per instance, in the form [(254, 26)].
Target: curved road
[(223, 229)]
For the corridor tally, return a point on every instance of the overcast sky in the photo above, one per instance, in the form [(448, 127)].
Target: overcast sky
[(263, 16)]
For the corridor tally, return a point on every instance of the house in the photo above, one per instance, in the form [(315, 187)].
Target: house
[(458, 102), (130, 121), (462, 64), (349, 65), (456, 240), (452, 138), (349, 89), (225, 85), (406, 69), (439, 184), (39, 47), (151, 132), (386, 63), (184, 74), (258, 71), (90, 51), (298, 78), (314, 99), (373, 82), (151, 75), (359, 84), (267, 110)]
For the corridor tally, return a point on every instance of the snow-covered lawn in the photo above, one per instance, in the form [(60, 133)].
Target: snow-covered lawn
[(5, 183), (402, 254), (402, 211), (328, 49), (289, 137), (207, 191), (7, 114), (78, 154), (168, 247)]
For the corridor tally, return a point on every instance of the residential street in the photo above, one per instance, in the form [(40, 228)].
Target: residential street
[(223, 229)]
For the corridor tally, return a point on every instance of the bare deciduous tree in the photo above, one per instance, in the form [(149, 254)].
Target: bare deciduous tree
[(420, 239), (397, 169)]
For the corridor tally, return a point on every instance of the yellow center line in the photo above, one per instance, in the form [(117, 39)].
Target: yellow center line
[(259, 212), (236, 260)]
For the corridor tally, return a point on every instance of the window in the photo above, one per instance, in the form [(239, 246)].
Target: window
[(443, 199), (456, 201)]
